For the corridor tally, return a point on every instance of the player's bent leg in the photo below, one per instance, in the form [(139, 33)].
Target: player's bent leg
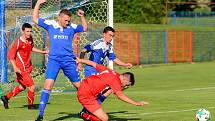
[(89, 117), (100, 114), (70, 70), (52, 70), (22, 87), (28, 82), (12, 93), (48, 85), (31, 94), (15, 91)]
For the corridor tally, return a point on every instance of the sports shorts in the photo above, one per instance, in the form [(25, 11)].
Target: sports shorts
[(87, 100), (69, 68), (24, 78)]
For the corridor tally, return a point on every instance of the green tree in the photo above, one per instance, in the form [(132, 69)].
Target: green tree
[(139, 11), (212, 5), (182, 5)]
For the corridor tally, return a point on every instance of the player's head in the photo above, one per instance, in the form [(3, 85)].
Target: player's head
[(108, 34), (127, 79), (26, 30), (64, 17)]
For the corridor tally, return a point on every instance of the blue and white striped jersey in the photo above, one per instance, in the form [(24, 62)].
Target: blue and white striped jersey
[(99, 50)]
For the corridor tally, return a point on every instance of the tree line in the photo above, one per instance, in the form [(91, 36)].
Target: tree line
[(154, 11)]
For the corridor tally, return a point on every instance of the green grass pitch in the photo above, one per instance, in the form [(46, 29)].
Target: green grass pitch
[(175, 92)]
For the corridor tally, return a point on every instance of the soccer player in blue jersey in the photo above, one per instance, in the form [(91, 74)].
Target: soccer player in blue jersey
[(99, 50), (60, 55)]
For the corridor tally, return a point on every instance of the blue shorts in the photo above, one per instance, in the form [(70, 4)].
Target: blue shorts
[(69, 68), (89, 70)]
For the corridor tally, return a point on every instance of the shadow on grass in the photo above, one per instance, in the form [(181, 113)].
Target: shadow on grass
[(112, 116), (67, 116), (35, 105)]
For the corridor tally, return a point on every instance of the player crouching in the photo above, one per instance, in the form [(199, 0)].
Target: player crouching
[(94, 84)]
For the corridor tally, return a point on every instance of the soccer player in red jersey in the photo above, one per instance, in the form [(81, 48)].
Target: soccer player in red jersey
[(19, 56), (94, 84)]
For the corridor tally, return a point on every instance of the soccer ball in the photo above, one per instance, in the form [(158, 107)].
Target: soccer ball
[(203, 115)]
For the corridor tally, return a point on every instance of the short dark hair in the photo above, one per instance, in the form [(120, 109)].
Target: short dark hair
[(108, 28), (65, 12), (26, 25), (130, 76)]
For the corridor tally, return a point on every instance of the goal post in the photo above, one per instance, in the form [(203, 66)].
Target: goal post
[(110, 23), (3, 44)]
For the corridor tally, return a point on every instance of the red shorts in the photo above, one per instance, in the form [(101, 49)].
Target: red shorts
[(87, 99), (24, 78)]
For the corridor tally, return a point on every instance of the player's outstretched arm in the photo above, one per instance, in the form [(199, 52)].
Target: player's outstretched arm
[(124, 98), (39, 51), (88, 62), (80, 13), (121, 63), (35, 15)]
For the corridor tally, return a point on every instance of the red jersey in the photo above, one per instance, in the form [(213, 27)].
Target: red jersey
[(21, 52), (105, 77)]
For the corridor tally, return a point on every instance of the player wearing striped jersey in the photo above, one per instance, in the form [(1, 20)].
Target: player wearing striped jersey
[(61, 33), (19, 56), (94, 84), (99, 50)]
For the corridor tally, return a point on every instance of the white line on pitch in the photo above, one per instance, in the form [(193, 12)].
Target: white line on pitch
[(60, 93), (179, 90), (176, 111), (191, 89)]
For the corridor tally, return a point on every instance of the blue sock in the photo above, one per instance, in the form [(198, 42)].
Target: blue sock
[(44, 98), (100, 98)]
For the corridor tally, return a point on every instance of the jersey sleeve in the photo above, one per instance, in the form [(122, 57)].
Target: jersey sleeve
[(13, 50), (115, 85), (96, 45), (111, 55), (77, 28), (93, 46), (88, 48), (44, 23), (101, 68)]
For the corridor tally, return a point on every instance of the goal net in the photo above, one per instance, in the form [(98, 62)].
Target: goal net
[(96, 13)]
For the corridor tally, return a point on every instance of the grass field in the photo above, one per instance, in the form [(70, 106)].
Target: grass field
[(174, 92)]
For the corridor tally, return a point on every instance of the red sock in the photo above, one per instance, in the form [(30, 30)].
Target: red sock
[(13, 92), (93, 118), (89, 117), (30, 97)]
